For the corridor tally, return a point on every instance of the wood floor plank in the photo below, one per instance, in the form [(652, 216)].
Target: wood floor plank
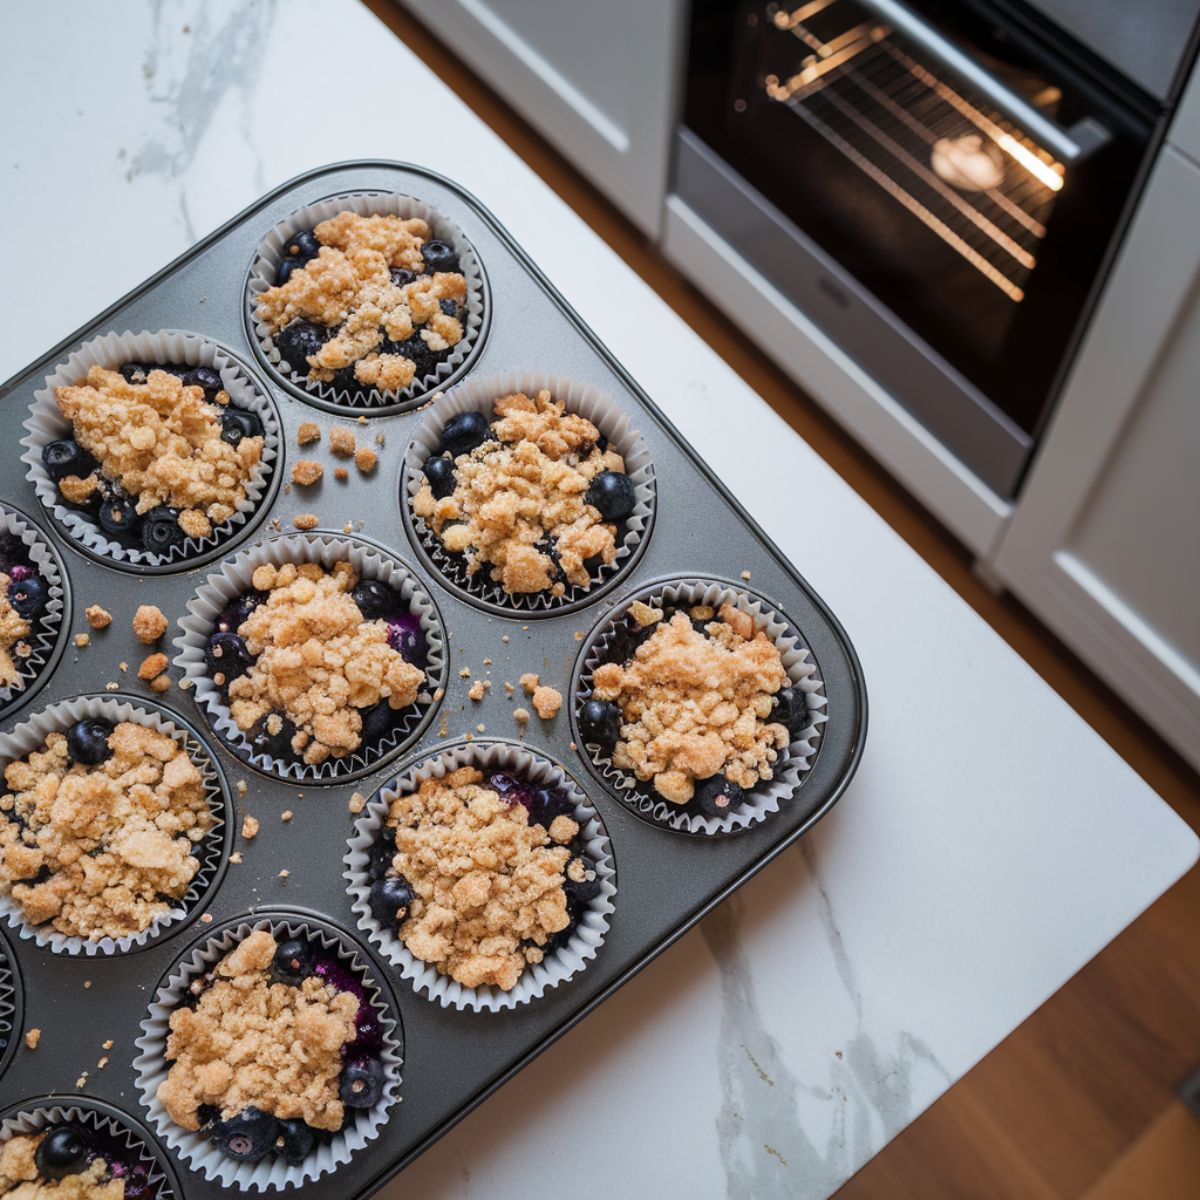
[(1164, 1164)]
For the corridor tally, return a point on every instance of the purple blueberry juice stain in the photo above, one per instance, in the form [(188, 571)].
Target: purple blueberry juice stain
[(405, 636)]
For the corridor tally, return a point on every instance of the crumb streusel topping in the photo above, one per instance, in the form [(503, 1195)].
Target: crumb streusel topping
[(349, 287), (14, 629), (695, 704), (114, 841), (317, 659), (161, 441), (20, 1179), (487, 883), (527, 488), (253, 1043)]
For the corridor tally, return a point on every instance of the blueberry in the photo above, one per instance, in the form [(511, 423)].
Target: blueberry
[(28, 596), (449, 307), (247, 1136), (600, 722), (60, 1153), (136, 372), (381, 854), (161, 530), (389, 899), (277, 745), (374, 599), (791, 709), (293, 962), (439, 257), (548, 803), (584, 891), (283, 272), (226, 655), (511, 790), (238, 423), (439, 472), (304, 245), (464, 432), (234, 613), (401, 277), (206, 378), (376, 720), (362, 1082), (415, 349), (295, 1141), (87, 741), (716, 796), (406, 637), (299, 340), (67, 457), (119, 516), (612, 493)]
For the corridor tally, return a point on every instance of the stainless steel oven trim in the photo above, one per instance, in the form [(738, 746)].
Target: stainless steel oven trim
[(942, 399)]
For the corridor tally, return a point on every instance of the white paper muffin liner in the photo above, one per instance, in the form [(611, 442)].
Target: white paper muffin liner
[(46, 423), (48, 627), (10, 1018), (538, 978), (769, 795), (31, 735), (589, 402), (270, 1173), (34, 1117), (271, 252), (235, 578)]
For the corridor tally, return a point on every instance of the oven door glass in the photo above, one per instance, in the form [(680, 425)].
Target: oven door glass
[(985, 241)]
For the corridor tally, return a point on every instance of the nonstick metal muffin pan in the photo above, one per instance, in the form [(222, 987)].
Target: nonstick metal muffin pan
[(666, 880)]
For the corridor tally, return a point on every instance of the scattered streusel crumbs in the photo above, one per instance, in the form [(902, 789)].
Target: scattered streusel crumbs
[(149, 624), (242, 787), (122, 666), (529, 681), (32, 1038), (366, 460), (479, 689), (308, 432), (746, 576), (465, 673), (579, 635), (286, 815), (487, 662), (206, 918), (509, 690), (341, 442), (305, 521), (250, 828), (160, 683), (357, 802), (306, 472), (81, 640), (236, 857), (107, 1044), (82, 1080), (112, 686), (644, 615), (521, 716), (285, 873), (97, 617), (348, 527), (546, 702), (103, 1062), (153, 666), (341, 474), (505, 638)]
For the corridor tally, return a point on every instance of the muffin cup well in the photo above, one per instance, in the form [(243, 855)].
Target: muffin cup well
[(10, 1005), (212, 851), (367, 203), (48, 628), (538, 978), (589, 402), (769, 795), (234, 578), (151, 1064), (111, 350), (35, 1115)]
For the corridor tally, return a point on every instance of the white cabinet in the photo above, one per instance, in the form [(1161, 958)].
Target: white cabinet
[(1105, 542), (598, 80)]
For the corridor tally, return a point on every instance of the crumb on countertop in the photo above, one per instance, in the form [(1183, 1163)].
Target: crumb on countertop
[(149, 624), (306, 472), (97, 617)]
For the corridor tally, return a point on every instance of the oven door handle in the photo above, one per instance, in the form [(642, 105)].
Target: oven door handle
[(1070, 146)]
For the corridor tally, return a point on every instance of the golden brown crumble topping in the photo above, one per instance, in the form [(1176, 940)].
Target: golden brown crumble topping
[(487, 884), (33, 1039), (317, 660), (514, 494), (365, 459), (149, 624), (162, 443), (20, 1180), (250, 1042), (153, 665), (97, 617), (309, 431), (116, 838), (546, 702), (696, 704), (14, 629), (341, 442), (305, 521), (306, 472), (348, 286)]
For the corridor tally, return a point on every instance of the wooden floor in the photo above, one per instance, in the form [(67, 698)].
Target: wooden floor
[(1080, 1102)]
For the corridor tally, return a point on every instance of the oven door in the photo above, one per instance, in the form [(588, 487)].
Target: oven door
[(963, 181)]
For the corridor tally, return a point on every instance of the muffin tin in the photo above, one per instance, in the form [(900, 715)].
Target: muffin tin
[(667, 880)]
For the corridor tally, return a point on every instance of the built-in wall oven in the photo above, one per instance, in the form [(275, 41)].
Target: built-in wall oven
[(938, 184)]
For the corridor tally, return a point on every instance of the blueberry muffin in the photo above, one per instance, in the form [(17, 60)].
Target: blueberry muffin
[(24, 595), (274, 1050), (533, 496), (157, 453), (481, 875), (100, 829), (695, 702), (365, 302), (316, 663), (73, 1161)]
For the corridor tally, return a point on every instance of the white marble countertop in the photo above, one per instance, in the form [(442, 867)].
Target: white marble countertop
[(989, 846)]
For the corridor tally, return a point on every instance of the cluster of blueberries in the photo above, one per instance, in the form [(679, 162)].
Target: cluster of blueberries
[(600, 720), (28, 592), (115, 511), (297, 341), (227, 657), (252, 1134), (391, 894), (70, 1148)]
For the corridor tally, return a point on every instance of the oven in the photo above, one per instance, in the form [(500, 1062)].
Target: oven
[(938, 184)]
